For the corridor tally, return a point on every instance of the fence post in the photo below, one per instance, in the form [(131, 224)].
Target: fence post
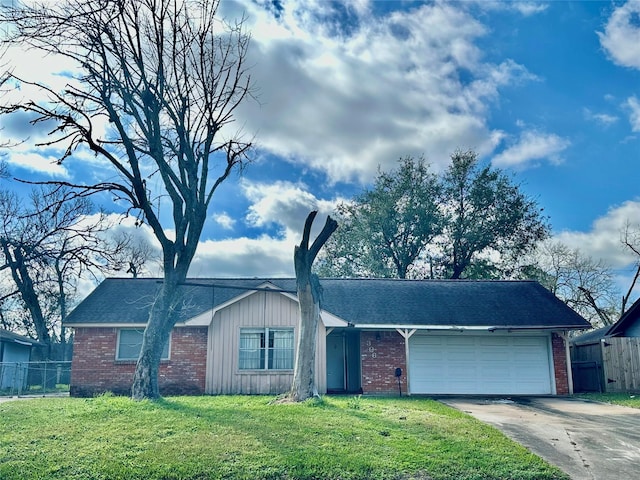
[(15, 379)]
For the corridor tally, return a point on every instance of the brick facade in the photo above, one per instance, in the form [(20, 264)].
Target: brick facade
[(380, 354), (95, 369), (560, 364)]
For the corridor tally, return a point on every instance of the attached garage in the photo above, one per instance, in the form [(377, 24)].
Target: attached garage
[(488, 364)]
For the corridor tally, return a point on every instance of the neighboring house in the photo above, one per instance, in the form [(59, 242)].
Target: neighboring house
[(238, 336), (608, 359), (15, 353), (629, 324)]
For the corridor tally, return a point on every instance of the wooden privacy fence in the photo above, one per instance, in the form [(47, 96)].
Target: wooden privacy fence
[(621, 364)]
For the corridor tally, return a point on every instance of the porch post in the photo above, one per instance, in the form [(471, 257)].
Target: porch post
[(406, 334), (567, 350)]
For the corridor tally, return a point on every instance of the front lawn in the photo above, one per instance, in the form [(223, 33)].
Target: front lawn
[(241, 437), (626, 399)]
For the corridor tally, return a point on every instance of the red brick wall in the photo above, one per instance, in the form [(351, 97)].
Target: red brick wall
[(381, 353), (94, 368), (560, 364)]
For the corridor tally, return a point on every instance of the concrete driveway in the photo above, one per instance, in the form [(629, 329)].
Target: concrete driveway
[(588, 440)]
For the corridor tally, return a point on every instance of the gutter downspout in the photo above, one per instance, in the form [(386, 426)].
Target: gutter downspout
[(565, 337)]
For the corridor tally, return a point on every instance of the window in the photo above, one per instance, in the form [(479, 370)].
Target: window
[(130, 343), (266, 349)]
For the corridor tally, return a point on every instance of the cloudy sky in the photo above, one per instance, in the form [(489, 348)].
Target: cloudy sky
[(547, 91)]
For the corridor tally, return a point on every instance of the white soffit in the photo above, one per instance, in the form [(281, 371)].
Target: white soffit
[(330, 320)]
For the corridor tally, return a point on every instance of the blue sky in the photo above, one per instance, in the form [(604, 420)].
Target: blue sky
[(547, 91)]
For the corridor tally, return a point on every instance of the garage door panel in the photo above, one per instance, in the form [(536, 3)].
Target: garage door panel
[(494, 355), (476, 364)]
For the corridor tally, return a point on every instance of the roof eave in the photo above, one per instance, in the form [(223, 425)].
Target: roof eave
[(487, 328)]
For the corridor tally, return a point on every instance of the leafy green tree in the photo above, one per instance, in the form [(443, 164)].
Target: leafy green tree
[(486, 213), (470, 222), (385, 230)]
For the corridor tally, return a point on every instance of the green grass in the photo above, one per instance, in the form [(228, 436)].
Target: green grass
[(241, 437), (626, 399)]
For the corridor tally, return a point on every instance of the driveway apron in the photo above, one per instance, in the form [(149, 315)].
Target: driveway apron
[(588, 440)]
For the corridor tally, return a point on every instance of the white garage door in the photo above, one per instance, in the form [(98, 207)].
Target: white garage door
[(476, 364)]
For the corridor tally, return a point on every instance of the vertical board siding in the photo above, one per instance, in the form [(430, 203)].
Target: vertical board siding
[(257, 310), (621, 359), (587, 366)]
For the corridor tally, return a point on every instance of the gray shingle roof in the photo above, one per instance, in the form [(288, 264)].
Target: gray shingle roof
[(465, 303), (591, 337)]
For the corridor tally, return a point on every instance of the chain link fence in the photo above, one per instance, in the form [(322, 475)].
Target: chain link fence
[(34, 378)]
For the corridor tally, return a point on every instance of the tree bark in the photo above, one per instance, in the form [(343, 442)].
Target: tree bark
[(162, 318), (304, 385), (309, 294)]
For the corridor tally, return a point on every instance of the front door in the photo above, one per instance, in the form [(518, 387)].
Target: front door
[(343, 362), (335, 363)]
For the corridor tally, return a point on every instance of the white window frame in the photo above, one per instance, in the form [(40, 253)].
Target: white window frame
[(266, 349), (130, 359)]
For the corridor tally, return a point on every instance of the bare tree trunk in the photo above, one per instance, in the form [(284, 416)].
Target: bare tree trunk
[(24, 283), (604, 317), (625, 298), (309, 294), (631, 240), (62, 306), (304, 385), (145, 379), (162, 318)]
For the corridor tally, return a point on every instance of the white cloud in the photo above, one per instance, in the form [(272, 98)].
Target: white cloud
[(283, 203), (603, 240), (345, 100), (36, 163), (245, 257), (336, 94), (224, 220), (621, 37), (233, 257), (529, 8), (532, 146), (525, 8), (604, 119), (633, 105)]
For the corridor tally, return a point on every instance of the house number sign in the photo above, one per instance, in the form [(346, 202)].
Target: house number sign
[(372, 349)]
